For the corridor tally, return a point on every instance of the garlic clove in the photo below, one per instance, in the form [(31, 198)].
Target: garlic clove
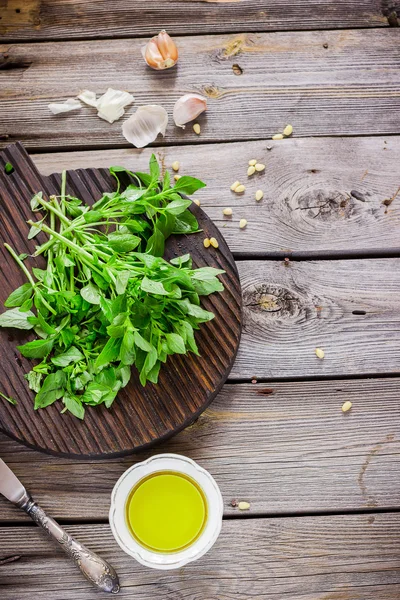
[(187, 108), (152, 55), (160, 52), (58, 108), (145, 124), (167, 46), (88, 97)]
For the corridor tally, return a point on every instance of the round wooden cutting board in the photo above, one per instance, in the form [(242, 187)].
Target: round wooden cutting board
[(140, 417)]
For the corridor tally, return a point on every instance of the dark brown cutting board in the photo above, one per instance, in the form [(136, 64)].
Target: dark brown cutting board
[(139, 417)]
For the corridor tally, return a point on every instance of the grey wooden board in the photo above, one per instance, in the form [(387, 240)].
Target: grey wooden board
[(284, 447), (307, 207), (290, 309), (352, 87), (46, 19), (344, 557)]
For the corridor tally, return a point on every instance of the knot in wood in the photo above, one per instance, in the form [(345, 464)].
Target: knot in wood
[(326, 205), (271, 299)]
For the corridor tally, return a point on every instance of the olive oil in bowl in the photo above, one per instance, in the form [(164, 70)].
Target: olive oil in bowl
[(166, 511)]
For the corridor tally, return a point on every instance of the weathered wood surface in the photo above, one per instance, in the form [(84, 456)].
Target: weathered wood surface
[(284, 447), (346, 557), (46, 19), (351, 87), (349, 308), (307, 207), (187, 384)]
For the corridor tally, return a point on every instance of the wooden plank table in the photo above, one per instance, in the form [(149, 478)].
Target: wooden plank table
[(320, 267)]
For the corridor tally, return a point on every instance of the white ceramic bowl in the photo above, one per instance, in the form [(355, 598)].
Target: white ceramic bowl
[(166, 462)]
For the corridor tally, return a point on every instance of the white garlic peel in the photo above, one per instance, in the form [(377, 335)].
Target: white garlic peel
[(88, 98), (58, 108), (187, 108), (145, 124), (110, 106)]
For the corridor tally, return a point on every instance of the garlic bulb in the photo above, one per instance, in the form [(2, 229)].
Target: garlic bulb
[(145, 124), (188, 108), (160, 52), (62, 107)]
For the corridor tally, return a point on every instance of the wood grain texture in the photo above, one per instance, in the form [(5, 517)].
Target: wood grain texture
[(352, 87), (47, 19), (307, 209), (346, 557), (349, 308), (139, 416), (284, 447)]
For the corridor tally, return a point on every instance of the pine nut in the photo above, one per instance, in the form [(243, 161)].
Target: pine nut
[(176, 177), (196, 202), (319, 352), (251, 171), (227, 212), (347, 406), (196, 128), (175, 165), (259, 195), (277, 136), (259, 167), (244, 505), (214, 242), (242, 223), (252, 163), (240, 189), (206, 243), (235, 185), (288, 130)]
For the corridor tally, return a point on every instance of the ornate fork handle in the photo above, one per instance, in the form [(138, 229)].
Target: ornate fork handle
[(94, 568)]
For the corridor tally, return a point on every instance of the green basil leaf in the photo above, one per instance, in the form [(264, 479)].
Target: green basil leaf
[(71, 356), (186, 223), (19, 296), (123, 242), (206, 273), (176, 207), (153, 287), (188, 185), (180, 261), (121, 282), (109, 353), (52, 389), (199, 313), (74, 405), (141, 342), (127, 352), (156, 243), (91, 294), (17, 319), (37, 348), (152, 375), (175, 343)]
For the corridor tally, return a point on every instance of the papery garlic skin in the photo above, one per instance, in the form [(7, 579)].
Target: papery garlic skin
[(145, 124), (88, 98), (160, 52), (187, 108), (58, 108), (111, 105)]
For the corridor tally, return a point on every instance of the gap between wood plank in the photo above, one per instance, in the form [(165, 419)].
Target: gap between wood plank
[(183, 35), (163, 144), (231, 517), (301, 256)]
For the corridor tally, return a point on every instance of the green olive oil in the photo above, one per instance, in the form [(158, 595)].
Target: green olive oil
[(166, 511)]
